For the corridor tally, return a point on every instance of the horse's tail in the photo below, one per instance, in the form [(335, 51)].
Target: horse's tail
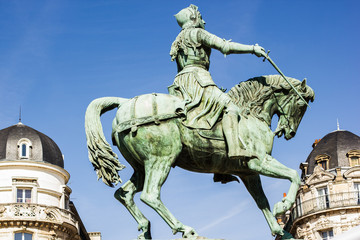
[(104, 160)]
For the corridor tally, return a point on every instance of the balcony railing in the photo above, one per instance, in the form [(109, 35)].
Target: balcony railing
[(36, 212), (328, 201)]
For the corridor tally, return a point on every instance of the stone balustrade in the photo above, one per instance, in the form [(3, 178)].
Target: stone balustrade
[(36, 214), (329, 201)]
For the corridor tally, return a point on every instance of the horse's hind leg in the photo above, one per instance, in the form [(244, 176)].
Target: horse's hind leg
[(253, 185), (156, 171), (125, 195), (272, 168)]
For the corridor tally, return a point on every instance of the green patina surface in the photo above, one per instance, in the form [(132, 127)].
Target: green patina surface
[(200, 128)]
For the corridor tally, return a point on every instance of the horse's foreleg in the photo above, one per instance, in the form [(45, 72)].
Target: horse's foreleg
[(253, 185), (156, 171), (125, 195), (272, 168)]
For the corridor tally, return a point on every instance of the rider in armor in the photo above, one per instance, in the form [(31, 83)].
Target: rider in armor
[(205, 102)]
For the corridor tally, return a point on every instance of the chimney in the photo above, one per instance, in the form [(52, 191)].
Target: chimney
[(316, 142)]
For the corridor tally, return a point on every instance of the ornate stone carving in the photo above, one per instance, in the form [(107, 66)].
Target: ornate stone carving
[(24, 210), (323, 223), (50, 216), (2, 210), (352, 172), (319, 175), (306, 233)]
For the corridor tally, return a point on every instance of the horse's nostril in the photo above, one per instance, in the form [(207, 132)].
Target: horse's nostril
[(292, 134)]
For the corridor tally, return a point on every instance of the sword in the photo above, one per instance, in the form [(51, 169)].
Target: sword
[(279, 71)]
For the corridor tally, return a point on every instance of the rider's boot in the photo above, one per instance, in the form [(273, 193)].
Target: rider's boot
[(236, 148)]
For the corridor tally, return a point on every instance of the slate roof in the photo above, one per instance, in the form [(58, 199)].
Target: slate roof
[(336, 145), (44, 149)]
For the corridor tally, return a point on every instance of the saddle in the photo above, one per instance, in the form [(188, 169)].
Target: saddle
[(147, 109), (154, 108)]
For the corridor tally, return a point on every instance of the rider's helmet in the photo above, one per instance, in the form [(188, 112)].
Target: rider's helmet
[(190, 17)]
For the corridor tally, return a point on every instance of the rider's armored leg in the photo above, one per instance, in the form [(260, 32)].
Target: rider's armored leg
[(230, 122)]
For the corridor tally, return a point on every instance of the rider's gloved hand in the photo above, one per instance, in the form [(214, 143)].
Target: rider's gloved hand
[(259, 51)]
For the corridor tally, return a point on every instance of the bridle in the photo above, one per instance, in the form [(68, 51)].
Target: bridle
[(281, 107)]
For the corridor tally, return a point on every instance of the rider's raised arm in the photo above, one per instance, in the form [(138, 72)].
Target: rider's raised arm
[(226, 46)]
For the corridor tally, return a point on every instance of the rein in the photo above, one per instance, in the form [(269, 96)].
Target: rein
[(281, 108)]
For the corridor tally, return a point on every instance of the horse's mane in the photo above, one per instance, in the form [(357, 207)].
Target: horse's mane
[(251, 94)]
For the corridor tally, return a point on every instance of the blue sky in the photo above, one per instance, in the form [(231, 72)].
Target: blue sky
[(57, 56)]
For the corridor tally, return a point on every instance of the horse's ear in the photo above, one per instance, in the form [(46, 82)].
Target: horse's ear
[(303, 83)]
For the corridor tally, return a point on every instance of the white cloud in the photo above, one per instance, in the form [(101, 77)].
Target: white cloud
[(232, 213)]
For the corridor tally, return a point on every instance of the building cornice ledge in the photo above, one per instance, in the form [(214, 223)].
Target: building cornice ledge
[(36, 165)]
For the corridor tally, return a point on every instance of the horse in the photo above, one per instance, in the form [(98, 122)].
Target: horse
[(149, 133)]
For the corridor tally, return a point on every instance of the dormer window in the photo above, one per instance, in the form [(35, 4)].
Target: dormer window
[(24, 148), (354, 158), (323, 161)]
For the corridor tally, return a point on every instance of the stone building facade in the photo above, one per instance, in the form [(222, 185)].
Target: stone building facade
[(34, 198), (328, 201)]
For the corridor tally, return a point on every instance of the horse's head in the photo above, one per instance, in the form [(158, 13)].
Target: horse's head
[(264, 96), (291, 109)]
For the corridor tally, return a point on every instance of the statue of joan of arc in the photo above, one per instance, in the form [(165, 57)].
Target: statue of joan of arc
[(205, 102)]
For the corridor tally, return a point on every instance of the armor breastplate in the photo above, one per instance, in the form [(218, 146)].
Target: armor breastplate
[(199, 57)]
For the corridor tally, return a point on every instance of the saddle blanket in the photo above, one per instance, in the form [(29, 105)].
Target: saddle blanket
[(145, 109)]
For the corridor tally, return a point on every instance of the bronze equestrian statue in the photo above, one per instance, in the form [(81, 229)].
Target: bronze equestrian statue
[(200, 128)]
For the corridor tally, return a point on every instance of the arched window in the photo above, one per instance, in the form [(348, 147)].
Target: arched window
[(22, 236), (24, 150), (354, 158), (24, 146)]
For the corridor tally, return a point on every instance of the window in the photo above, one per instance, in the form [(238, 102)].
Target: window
[(323, 200), (354, 158), (66, 203), (357, 192), (24, 146), (323, 164), (23, 195), (327, 235), (323, 161), (24, 151), (23, 236), (24, 189), (298, 207)]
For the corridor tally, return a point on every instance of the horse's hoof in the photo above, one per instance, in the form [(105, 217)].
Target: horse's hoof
[(144, 236), (189, 233), (277, 231), (281, 207), (145, 228)]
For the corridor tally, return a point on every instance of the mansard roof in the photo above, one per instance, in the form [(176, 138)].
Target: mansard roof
[(43, 148), (335, 145)]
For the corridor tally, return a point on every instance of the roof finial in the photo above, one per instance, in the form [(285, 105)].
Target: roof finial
[(20, 115), (338, 125)]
